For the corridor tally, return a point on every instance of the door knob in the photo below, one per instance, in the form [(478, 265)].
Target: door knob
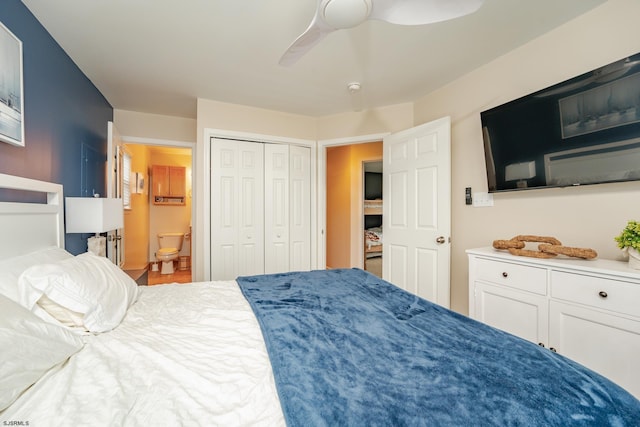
[(440, 240)]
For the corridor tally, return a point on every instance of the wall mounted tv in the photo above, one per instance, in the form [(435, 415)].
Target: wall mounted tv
[(585, 130)]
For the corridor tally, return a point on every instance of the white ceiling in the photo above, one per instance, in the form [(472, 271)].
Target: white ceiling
[(159, 56)]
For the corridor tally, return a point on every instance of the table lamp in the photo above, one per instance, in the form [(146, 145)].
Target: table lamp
[(94, 215)]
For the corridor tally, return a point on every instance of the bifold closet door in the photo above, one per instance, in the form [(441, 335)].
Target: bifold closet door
[(299, 208), (287, 218), (276, 208), (237, 206)]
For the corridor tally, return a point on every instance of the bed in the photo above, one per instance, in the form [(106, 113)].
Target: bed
[(372, 234), (83, 345), (373, 242)]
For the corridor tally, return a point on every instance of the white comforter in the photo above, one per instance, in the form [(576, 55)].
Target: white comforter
[(184, 355)]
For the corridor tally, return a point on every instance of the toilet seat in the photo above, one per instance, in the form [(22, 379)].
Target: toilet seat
[(167, 255), (164, 252)]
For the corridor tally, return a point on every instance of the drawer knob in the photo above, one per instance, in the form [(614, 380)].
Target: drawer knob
[(553, 349), (505, 274), (603, 294), (541, 344)]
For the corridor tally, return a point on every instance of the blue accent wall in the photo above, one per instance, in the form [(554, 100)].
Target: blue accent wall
[(63, 111)]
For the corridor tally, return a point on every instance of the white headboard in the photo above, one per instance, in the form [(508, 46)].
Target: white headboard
[(25, 227)]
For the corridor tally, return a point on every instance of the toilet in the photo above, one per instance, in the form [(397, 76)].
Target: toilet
[(170, 245)]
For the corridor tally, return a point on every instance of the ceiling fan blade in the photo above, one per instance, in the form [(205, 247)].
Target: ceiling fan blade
[(420, 12), (338, 14), (315, 32)]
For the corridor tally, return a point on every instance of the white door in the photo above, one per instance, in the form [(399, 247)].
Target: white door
[(276, 213), (299, 208), (115, 238), (237, 204), (417, 210)]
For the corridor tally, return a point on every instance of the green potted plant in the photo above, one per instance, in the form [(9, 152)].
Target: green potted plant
[(629, 241)]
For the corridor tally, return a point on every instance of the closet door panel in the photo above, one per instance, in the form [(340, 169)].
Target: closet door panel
[(224, 178), (226, 262), (251, 232), (276, 212), (237, 234), (300, 208)]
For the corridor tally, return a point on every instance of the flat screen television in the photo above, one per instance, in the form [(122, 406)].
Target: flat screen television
[(372, 185), (585, 130)]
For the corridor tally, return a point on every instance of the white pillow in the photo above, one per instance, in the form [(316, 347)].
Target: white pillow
[(69, 318), (12, 268), (30, 347), (88, 285)]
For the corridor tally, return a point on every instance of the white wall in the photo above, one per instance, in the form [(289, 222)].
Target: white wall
[(585, 217), (391, 118), (154, 126)]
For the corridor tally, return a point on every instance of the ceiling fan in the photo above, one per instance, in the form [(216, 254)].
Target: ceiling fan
[(332, 15)]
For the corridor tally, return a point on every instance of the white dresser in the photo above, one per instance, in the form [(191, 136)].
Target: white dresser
[(588, 311)]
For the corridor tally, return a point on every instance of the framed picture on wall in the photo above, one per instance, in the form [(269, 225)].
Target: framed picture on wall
[(11, 89)]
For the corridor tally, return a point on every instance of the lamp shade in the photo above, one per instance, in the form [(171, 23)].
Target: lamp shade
[(93, 214), (524, 170)]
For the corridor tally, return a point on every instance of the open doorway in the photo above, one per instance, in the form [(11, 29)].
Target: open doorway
[(345, 239), (161, 204), (372, 216)]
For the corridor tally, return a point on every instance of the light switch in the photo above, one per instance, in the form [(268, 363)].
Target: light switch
[(482, 200)]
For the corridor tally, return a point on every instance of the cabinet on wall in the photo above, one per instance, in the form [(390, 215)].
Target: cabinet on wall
[(588, 311), (260, 208), (169, 185)]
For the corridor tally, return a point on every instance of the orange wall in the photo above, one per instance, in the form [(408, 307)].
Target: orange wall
[(344, 202), (338, 206), (136, 219), (360, 153)]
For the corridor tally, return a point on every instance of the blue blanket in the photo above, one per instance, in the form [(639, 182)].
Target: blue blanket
[(350, 349)]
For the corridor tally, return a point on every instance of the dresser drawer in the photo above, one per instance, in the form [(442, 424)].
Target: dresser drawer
[(607, 294), (527, 278)]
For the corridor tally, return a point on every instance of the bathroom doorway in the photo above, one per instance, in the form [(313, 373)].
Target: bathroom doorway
[(153, 212)]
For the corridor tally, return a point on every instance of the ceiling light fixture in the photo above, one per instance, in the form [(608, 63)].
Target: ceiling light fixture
[(346, 13), (353, 87)]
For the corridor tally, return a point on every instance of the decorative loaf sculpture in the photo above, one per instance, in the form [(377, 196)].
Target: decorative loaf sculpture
[(549, 247)]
